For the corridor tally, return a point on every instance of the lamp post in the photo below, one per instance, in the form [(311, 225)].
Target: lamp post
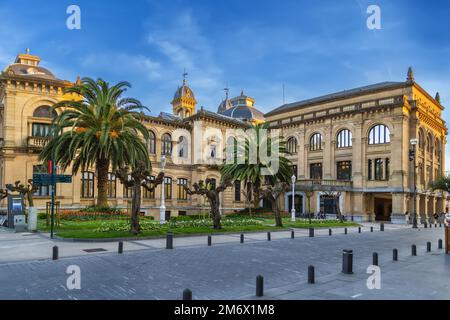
[(412, 157), (162, 209), (293, 178)]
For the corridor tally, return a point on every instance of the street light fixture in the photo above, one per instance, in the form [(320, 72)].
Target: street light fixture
[(294, 179), (412, 157), (162, 209)]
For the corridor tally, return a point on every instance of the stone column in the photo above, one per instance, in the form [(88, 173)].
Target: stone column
[(326, 143), (359, 212), (398, 208), (358, 160), (301, 154)]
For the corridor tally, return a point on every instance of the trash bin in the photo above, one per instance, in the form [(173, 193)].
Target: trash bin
[(19, 223)]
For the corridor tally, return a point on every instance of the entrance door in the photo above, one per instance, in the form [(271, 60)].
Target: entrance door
[(383, 209), (298, 204), (328, 205)]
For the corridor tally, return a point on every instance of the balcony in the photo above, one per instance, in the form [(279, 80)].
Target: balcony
[(324, 185), (37, 143)]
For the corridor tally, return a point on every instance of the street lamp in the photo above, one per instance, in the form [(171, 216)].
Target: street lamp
[(412, 157), (162, 209), (293, 179)]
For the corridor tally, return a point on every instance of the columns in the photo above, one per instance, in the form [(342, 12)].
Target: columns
[(301, 155), (358, 160), (327, 146), (398, 208)]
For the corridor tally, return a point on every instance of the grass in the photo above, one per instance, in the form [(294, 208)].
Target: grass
[(86, 229)]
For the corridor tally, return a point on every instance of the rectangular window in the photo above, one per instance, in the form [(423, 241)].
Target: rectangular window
[(40, 129), (344, 170), (182, 193), (87, 184), (237, 190), (181, 213), (379, 169), (111, 188), (315, 171), (148, 194), (168, 188), (43, 191)]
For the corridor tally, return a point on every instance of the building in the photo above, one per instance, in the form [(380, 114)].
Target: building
[(355, 144), (27, 92)]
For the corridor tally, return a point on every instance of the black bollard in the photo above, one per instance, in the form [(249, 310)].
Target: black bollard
[(120, 249), (292, 234), (330, 232), (311, 275), (428, 246), (371, 229), (359, 229), (311, 232), (425, 225), (375, 259), (55, 253), (347, 261), (268, 236), (209, 241), (440, 225), (413, 250), (259, 286), (382, 227), (440, 244), (435, 225), (242, 238), (169, 240), (187, 294), (395, 255), (345, 231)]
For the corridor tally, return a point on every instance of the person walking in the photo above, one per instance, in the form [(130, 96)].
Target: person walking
[(407, 217)]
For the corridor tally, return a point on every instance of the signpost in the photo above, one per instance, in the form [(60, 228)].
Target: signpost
[(51, 179)]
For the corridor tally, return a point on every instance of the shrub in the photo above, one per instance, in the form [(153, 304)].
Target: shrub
[(97, 209)]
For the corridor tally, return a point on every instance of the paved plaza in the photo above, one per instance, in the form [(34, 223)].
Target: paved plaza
[(227, 269)]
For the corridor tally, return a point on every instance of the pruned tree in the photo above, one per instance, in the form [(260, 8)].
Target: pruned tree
[(212, 193), (138, 177), (3, 194), (27, 191), (272, 193)]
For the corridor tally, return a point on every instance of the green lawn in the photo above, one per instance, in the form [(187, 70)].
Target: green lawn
[(86, 229)]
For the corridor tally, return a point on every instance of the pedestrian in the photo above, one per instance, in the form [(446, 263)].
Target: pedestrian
[(436, 217), (407, 217)]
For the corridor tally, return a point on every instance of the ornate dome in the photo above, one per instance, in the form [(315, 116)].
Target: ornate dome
[(184, 92), (245, 113), (224, 105)]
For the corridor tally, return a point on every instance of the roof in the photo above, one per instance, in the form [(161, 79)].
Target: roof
[(17, 69), (338, 95), (184, 91), (217, 116), (244, 113)]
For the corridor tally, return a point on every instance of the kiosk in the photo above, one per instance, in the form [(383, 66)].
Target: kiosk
[(16, 213)]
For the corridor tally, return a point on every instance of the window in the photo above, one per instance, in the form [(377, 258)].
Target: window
[(182, 193), (344, 139), (344, 170), (429, 144), (213, 151), (315, 142), (181, 213), (45, 112), (294, 170), (437, 150), (166, 144), (168, 188), (42, 191), (40, 129), (315, 171), (379, 134), (151, 142), (127, 192), (111, 188), (388, 170), (231, 150), (182, 147), (237, 190), (87, 184), (292, 145), (378, 169), (149, 194)]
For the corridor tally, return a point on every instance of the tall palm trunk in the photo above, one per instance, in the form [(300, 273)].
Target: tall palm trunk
[(102, 182)]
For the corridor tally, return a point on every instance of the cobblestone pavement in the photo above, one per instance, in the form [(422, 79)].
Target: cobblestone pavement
[(228, 270)]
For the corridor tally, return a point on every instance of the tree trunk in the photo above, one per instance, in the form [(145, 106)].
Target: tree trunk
[(102, 182), (256, 193), (136, 208), (276, 212), (215, 211), (30, 199)]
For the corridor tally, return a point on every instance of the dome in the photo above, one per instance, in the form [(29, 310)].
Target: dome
[(245, 113), (183, 92), (224, 105), (29, 71)]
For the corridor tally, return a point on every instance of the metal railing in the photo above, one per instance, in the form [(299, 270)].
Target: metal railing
[(37, 142)]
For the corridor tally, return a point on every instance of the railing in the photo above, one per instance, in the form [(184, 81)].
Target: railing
[(37, 142)]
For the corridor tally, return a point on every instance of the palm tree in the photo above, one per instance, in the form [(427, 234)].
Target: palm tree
[(251, 172), (441, 183), (98, 130)]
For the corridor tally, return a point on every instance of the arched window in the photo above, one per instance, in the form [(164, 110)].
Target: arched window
[(315, 142), (182, 147), (421, 141), (166, 144), (437, 149), (344, 138), (292, 145), (151, 142), (44, 112), (429, 143), (379, 134)]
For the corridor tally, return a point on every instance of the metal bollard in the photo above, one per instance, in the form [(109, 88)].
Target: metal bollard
[(371, 229), (395, 255), (55, 253), (382, 227), (120, 249), (187, 294), (347, 261), (259, 286), (440, 244), (311, 274), (169, 240), (292, 234), (242, 238), (330, 232), (359, 229), (345, 231), (311, 232), (375, 259), (428, 246), (209, 241), (413, 250), (268, 236), (425, 225)]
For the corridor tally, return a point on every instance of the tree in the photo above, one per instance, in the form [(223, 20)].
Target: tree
[(272, 193), (100, 129), (27, 191), (137, 178), (211, 192), (441, 183)]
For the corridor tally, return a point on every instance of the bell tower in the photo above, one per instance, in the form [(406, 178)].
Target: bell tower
[(183, 103)]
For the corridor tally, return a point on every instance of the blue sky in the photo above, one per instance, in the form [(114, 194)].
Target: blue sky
[(312, 47)]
